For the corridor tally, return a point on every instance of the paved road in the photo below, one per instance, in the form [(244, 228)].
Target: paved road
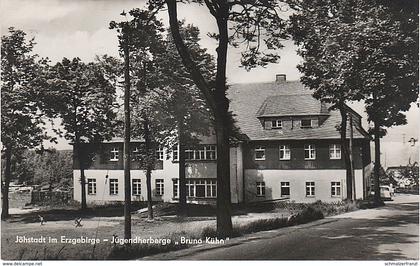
[(387, 233)]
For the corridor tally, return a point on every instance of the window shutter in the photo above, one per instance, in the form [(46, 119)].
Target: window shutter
[(267, 124)]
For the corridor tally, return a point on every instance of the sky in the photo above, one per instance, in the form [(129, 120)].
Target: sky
[(79, 28)]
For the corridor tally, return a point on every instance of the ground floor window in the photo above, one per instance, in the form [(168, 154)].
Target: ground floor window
[(91, 182), (175, 188), (113, 186), (335, 189), (197, 188), (285, 189), (310, 189), (136, 187), (260, 189), (159, 187)]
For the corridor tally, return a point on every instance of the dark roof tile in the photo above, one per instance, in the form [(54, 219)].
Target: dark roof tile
[(247, 101)]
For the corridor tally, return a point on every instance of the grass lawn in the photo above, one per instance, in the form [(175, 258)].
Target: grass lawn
[(103, 223)]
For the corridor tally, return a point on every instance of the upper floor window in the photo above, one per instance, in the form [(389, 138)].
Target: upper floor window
[(260, 153), (210, 152), (114, 154), (205, 152), (261, 189), (335, 151), (113, 186), (135, 154), (305, 123), (284, 152), (277, 123), (159, 187), (189, 154), (175, 153), (310, 153), (159, 153), (91, 182)]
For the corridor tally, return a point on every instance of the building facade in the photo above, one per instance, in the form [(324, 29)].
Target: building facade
[(290, 150)]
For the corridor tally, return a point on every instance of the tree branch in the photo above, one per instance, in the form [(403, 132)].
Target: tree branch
[(191, 66)]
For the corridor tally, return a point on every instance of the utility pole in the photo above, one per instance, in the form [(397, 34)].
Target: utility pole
[(127, 129), (353, 183)]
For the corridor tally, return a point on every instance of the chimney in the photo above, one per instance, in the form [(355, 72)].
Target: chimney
[(280, 78)]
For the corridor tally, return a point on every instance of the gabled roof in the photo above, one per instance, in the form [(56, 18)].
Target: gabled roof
[(288, 98), (291, 105)]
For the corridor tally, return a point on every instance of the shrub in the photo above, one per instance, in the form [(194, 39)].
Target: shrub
[(308, 214)]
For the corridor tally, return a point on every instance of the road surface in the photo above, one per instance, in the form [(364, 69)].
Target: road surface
[(387, 233)]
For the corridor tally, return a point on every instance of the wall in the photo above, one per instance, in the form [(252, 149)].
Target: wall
[(297, 161), (100, 157), (169, 171), (297, 180)]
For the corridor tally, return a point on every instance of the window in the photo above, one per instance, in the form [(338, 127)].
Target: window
[(136, 154), (114, 154), (261, 189), (305, 123), (159, 153), (201, 188), (189, 154), (91, 182), (190, 188), (136, 187), (113, 186), (175, 188), (285, 189), (200, 154), (206, 152), (276, 124), (175, 153), (159, 187), (335, 151), (211, 189), (284, 152), (310, 189), (335, 189), (310, 152), (210, 152), (260, 153)]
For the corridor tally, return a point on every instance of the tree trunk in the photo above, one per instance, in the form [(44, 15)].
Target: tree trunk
[(182, 184), (218, 104), (353, 181), (127, 151), (5, 187), (222, 121), (149, 167), (346, 153), (80, 157), (377, 167)]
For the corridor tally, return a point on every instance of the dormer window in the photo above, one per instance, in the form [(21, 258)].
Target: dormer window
[(305, 123), (277, 123)]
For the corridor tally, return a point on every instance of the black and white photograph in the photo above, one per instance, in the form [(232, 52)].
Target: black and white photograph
[(257, 131)]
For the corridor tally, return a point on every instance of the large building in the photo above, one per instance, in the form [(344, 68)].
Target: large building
[(290, 150)]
